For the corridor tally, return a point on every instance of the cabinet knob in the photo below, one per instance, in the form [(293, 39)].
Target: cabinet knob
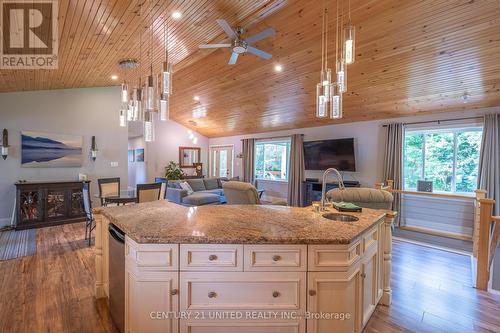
[(312, 292), (174, 292), (212, 257), (363, 275), (276, 294), (212, 294), (276, 258)]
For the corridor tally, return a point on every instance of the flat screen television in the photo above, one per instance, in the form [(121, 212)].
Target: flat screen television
[(324, 154)]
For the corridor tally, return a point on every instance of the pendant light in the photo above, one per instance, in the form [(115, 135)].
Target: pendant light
[(166, 79), (124, 92), (324, 87), (123, 117), (339, 86), (149, 97), (349, 40)]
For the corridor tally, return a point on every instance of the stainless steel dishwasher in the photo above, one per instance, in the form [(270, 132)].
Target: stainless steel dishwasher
[(117, 276)]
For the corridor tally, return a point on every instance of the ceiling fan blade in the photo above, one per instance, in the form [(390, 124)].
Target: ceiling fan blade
[(261, 35), (213, 46), (227, 28), (233, 58), (259, 53)]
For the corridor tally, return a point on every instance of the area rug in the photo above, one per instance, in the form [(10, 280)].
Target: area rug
[(15, 244)]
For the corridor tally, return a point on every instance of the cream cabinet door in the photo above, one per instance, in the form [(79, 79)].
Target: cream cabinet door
[(337, 296), (369, 283), (152, 302)]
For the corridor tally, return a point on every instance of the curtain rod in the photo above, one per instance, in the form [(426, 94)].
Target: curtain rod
[(274, 137), (439, 121)]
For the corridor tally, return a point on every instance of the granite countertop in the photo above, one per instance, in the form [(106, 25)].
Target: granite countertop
[(166, 222)]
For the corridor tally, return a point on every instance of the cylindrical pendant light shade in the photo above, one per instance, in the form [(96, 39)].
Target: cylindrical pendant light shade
[(349, 43), (149, 97), (164, 108), (138, 116), (123, 117), (323, 101), (148, 126), (341, 76), (167, 78), (124, 93), (336, 106)]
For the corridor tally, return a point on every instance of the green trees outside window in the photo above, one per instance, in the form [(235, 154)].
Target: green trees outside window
[(448, 157), (271, 160)]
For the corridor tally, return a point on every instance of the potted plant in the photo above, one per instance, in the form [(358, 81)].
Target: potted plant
[(173, 171)]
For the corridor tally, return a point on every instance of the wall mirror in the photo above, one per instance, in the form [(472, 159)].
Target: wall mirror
[(188, 156)]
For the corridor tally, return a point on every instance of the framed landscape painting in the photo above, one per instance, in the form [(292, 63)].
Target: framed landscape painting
[(46, 150), (139, 155)]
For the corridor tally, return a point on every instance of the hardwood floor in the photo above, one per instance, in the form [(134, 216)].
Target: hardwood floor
[(52, 291)]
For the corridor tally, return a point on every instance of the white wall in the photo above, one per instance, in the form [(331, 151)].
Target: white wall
[(369, 145), (169, 137), (86, 112), (136, 170)]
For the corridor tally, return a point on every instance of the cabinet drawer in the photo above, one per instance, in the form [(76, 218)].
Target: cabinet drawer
[(160, 257), (216, 257), (242, 327), (333, 257), (275, 258), (243, 290)]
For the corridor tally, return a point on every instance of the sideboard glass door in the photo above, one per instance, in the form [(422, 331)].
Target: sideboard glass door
[(31, 206)]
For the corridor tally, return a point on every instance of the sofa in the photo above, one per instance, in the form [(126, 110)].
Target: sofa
[(362, 197), (205, 192)]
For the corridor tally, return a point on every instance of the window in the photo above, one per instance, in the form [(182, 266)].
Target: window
[(447, 157), (271, 160)]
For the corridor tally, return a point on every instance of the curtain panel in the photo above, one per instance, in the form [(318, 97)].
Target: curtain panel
[(489, 170), (296, 171), (393, 162), (248, 160)]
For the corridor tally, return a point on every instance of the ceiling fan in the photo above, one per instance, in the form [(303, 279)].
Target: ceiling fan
[(239, 44)]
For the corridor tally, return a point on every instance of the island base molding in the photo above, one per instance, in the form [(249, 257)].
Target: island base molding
[(283, 288)]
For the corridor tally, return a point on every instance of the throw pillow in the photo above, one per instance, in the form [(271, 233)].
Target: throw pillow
[(187, 187)]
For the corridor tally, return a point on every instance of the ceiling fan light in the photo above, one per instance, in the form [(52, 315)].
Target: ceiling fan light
[(349, 43)]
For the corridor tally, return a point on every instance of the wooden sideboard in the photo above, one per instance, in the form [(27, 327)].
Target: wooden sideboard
[(42, 204)]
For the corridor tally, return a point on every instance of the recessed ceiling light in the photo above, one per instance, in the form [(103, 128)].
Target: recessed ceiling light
[(278, 68), (196, 98), (114, 77), (176, 15)]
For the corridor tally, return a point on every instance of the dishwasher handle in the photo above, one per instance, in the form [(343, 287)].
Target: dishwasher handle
[(116, 233)]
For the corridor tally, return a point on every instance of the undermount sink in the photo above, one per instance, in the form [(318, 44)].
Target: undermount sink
[(340, 217)]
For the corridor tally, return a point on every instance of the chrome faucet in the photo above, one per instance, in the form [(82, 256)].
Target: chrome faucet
[(323, 190)]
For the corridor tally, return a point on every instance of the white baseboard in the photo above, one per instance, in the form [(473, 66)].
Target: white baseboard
[(4, 221)]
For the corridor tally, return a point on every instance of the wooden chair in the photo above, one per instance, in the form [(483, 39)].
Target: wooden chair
[(108, 187), (148, 192), (87, 207)]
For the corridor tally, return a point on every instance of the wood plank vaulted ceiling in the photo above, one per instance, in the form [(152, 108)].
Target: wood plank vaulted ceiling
[(412, 57)]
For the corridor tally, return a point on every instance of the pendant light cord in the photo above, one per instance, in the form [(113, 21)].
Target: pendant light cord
[(323, 39)]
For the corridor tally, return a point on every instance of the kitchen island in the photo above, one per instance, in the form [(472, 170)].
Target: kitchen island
[(232, 268)]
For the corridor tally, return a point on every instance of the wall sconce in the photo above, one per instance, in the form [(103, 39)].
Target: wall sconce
[(93, 149), (5, 144)]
